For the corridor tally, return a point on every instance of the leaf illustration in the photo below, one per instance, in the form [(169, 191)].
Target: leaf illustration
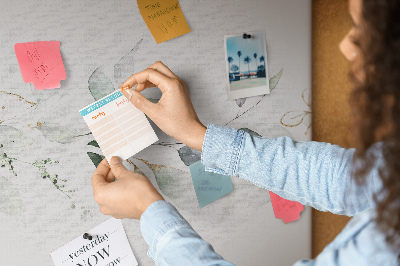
[(240, 101), (96, 158), (189, 155), (55, 131), (293, 118), (251, 132), (124, 68), (306, 95), (137, 169), (13, 106), (13, 140), (10, 202), (273, 82), (171, 181), (100, 85), (42, 95), (153, 100), (264, 129), (94, 143)]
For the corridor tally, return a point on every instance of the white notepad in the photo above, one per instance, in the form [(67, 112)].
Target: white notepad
[(118, 126)]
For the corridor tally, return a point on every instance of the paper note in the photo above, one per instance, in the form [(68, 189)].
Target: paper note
[(209, 186), (118, 126), (109, 246), (284, 209), (41, 64), (164, 18)]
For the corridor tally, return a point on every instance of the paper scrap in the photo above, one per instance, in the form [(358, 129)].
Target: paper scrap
[(288, 211), (109, 246), (209, 186), (164, 18), (41, 64), (118, 126)]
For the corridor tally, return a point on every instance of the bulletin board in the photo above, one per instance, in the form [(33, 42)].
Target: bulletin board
[(45, 187)]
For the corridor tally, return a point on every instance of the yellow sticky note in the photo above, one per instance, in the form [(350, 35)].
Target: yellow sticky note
[(164, 18)]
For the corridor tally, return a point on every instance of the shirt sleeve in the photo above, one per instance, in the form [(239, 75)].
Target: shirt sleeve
[(360, 243), (312, 173), (172, 241)]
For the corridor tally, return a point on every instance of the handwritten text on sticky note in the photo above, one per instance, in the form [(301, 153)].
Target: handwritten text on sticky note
[(164, 18), (209, 186), (288, 211), (41, 63)]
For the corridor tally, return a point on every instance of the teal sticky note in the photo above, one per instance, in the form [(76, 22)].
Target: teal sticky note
[(209, 186)]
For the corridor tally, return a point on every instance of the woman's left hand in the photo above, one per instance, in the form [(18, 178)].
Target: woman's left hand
[(128, 197)]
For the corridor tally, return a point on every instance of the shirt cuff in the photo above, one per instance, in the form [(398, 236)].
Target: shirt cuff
[(159, 218), (222, 147)]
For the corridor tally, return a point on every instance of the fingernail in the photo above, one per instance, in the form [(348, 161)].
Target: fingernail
[(124, 88), (129, 94), (115, 160)]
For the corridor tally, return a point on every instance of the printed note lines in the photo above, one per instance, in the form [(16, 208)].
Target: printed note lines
[(120, 129)]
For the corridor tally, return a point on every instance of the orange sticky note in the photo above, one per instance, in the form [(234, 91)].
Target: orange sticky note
[(41, 64), (164, 18)]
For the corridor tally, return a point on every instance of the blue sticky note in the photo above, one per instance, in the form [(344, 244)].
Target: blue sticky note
[(209, 186)]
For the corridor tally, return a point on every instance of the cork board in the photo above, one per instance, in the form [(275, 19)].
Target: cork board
[(48, 197), (331, 89)]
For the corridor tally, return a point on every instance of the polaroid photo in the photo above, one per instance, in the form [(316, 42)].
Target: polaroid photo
[(246, 64)]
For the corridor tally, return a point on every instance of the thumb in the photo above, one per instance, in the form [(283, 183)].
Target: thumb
[(117, 167), (139, 101)]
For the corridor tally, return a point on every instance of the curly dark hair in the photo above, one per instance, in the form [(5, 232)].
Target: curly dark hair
[(375, 103)]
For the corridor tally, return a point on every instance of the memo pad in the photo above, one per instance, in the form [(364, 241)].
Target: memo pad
[(118, 126)]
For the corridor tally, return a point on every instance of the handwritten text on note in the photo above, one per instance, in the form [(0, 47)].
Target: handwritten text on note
[(164, 18), (209, 186), (41, 63)]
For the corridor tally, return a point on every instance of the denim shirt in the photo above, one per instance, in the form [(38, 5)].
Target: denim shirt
[(312, 173)]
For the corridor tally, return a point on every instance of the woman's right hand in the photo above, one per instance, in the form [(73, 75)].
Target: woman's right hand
[(174, 113)]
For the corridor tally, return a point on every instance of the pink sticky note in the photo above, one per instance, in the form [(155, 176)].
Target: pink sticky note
[(284, 209), (41, 64)]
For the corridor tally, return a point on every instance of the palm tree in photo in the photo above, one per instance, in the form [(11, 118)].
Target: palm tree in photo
[(230, 60), (247, 60), (255, 60), (234, 68), (239, 55), (262, 59)]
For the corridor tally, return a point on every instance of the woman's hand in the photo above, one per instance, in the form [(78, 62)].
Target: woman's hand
[(174, 113), (127, 197)]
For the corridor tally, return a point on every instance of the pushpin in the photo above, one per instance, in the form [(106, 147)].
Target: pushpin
[(246, 36), (87, 236)]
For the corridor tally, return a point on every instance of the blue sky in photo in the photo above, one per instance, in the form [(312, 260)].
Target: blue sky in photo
[(248, 47)]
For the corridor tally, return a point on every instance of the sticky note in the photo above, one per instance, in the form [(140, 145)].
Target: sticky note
[(108, 246), (41, 64), (118, 126), (164, 18), (284, 209), (209, 186)]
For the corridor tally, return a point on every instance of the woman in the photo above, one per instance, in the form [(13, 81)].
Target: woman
[(316, 174)]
